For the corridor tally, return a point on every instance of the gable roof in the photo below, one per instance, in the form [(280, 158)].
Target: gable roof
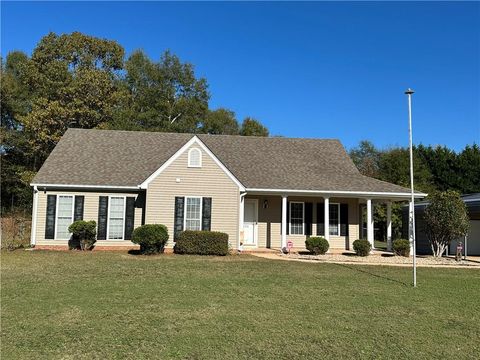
[(111, 158)]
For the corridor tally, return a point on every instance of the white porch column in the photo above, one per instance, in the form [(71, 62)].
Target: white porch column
[(34, 216), (326, 202), (370, 223), (389, 226), (241, 219), (284, 222)]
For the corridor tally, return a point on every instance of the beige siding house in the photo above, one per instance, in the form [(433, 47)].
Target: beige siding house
[(263, 192)]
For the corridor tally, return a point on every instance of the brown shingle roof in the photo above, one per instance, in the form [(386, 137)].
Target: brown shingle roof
[(127, 158)]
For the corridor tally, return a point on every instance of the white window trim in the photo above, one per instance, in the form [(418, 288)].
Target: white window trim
[(290, 217), (330, 219), (185, 211), (190, 165), (56, 213), (124, 215)]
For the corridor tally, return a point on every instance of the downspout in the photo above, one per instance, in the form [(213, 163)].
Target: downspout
[(34, 216)]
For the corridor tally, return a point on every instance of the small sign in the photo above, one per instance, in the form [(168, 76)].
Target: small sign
[(289, 244)]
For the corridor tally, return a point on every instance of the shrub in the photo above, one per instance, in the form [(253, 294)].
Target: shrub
[(317, 245), (401, 247), (151, 238), (202, 243), (15, 231), (84, 235), (362, 247)]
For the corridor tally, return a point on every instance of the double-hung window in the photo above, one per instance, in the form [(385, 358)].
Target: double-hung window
[(64, 216), (297, 223), (116, 217), (193, 213), (334, 215)]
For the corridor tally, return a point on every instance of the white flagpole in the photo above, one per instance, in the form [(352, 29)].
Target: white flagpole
[(409, 93)]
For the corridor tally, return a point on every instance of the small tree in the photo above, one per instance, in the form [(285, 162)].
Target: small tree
[(446, 219), (84, 235)]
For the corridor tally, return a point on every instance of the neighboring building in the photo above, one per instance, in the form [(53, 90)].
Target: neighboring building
[(262, 192), (472, 201)]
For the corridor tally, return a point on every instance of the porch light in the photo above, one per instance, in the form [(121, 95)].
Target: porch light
[(265, 204)]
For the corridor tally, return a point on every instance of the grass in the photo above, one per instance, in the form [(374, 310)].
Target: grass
[(380, 245), (71, 305)]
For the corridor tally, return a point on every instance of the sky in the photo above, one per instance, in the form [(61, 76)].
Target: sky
[(310, 69)]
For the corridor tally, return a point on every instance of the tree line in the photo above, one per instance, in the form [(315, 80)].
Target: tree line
[(76, 80), (436, 168)]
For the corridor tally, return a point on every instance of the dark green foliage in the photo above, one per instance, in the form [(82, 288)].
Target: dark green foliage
[(84, 235), (202, 243), (446, 219), (317, 245), (252, 127), (401, 247), (221, 121), (151, 238), (366, 157), (362, 247)]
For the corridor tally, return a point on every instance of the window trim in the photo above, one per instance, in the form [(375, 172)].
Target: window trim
[(108, 216), (330, 219), (56, 213), (290, 217), (185, 211), (190, 165)]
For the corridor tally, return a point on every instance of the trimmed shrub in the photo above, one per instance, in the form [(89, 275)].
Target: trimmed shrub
[(317, 245), (401, 247), (202, 243), (84, 235), (151, 238), (362, 247)]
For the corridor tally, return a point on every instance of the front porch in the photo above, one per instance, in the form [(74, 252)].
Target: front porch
[(271, 221)]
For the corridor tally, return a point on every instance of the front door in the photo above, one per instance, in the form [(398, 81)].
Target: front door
[(250, 222)]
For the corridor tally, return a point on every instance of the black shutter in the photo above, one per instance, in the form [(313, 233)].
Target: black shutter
[(308, 218), (321, 219), (78, 211), (206, 213), (129, 217), (343, 219), (178, 224), (50, 220), (102, 217), (288, 217)]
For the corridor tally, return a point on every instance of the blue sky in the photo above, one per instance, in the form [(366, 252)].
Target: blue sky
[(327, 70)]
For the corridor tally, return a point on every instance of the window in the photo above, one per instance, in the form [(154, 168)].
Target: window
[(193, 213), (194, 158), (64, 216), (334, 215), (296, 218), (116, 217)]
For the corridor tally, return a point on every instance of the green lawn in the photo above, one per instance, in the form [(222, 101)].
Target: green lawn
[(380, 245), (105, 305)]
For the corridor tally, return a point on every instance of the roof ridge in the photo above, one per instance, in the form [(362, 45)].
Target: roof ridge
[(268, 138)]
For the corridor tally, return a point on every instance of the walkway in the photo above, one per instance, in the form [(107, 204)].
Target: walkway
[(376, 258)]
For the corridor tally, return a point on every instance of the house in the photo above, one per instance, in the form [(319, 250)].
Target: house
[(472, 246), (262, 192)]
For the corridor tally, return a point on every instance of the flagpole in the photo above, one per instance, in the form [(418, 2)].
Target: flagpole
[(409, 92)]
